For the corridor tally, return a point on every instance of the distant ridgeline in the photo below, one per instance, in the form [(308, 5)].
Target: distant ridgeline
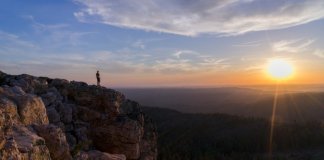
[(292, 106), (44, 118)]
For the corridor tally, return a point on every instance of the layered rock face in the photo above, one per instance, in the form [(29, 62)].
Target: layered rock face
[(43, 118)]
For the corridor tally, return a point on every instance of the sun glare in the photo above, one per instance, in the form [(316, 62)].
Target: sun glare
[(279, 69)]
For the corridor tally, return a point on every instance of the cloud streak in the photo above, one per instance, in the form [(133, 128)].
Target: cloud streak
[(15, 45), (193, 17), (319, 53), (188, 61), (298, 46), (292, 46), (58, 35), (249, 44)]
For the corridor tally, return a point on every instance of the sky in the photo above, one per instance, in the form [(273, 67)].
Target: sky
[(156, 43)]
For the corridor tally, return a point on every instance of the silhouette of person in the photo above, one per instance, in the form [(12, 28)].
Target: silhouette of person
[(98, 78)]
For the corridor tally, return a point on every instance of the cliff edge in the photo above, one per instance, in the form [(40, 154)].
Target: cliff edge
[(44, 118)]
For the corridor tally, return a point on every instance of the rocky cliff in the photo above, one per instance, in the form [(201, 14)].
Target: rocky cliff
[(44, 118)]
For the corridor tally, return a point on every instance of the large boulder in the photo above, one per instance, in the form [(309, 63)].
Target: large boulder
[(28, 83), (53, 115), (29, 144), (17, 111), (10, 150), (8, 113), (149, 141), (51, 97), (122, 136), (133, 110), (65, 111), (55, 140), (86, 114), (24, 144), (30, 108)]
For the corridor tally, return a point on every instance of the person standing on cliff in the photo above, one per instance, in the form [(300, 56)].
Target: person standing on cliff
[(98, 78)]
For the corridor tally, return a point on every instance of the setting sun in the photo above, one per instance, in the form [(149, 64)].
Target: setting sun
[(279, 69)]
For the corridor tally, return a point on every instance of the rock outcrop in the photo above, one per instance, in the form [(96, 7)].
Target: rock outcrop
[(43, 118), (55, 141), (18, 111)]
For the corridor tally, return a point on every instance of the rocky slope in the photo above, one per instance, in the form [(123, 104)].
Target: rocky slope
[(43, 118)]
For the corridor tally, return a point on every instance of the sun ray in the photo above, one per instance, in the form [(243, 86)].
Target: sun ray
[(316, 100), (273, 118), (296, 107)]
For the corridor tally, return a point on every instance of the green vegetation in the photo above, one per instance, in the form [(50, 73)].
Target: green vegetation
[(2, 79), (40, 142), (220, 136), (78, 147)]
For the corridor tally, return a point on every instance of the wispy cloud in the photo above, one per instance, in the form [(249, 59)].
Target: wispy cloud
[(292, 46), (180, 61), (192, 17), (298, 46), (319, 53), (13, 44), (113, 63), (57, 34), (181, 53), (139, 44), (10, 38), (249, 44), (188, 61), (44, 27), (254, 68)]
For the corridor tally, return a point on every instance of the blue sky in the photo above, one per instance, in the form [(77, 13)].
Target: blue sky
[(161, 42)]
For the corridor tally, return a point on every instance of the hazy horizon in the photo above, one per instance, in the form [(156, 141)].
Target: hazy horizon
[(264, 87)]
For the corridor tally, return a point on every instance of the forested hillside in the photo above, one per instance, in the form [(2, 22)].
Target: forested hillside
[(221, 136)]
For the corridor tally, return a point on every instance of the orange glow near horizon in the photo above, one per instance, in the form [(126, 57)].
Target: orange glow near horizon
[(303, 73), (210, 79)]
